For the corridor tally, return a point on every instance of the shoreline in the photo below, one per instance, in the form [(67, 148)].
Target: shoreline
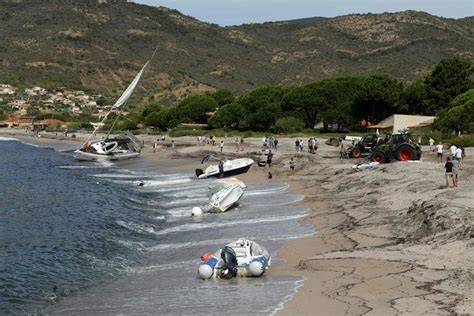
[(388, 241)]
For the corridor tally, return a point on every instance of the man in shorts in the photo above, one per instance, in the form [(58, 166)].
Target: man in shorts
[(449, 171), (455, 163), (439, 150), (452, 150), (458, 154), (269, 159)]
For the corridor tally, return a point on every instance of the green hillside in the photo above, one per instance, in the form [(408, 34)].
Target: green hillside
[(100, 47)]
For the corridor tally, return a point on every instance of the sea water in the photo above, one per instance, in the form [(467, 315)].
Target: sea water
[(82, 238)]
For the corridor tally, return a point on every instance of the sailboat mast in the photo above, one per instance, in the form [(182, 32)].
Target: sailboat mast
[(123, 98), (113, 125)]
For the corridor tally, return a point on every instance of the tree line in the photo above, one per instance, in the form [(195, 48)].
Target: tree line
[(344, 101)]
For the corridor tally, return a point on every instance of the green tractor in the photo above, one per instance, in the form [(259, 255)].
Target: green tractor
[(397, 147)]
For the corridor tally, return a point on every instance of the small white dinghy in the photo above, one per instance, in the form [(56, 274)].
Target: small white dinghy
[(242, 258), (224, 199)]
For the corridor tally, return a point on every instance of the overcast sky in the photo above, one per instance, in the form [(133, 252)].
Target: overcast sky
[(233, 12)]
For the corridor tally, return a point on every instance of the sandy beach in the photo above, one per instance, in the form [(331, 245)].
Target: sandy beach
[(390, 240)]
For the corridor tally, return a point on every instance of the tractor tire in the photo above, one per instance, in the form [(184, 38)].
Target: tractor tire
[(405, 152), (379, 156), (356, 153)]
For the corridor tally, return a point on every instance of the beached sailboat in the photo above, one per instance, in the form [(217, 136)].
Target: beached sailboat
[(119, 147), (242, 258)]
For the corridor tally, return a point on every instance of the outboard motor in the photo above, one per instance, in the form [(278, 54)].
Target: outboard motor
[(229, 268), (199, 172)]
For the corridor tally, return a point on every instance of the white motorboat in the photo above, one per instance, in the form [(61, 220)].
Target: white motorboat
[(220, 184), (242, 258), (114, 148), (224, 199), (230, 168)]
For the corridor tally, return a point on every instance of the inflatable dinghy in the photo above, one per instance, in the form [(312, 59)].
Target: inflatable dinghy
[(242, 258)]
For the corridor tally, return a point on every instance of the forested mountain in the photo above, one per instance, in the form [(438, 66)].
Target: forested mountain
[(100, 47)]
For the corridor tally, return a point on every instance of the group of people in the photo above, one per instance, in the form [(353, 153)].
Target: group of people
[(453, 164), (269, 142), (209, 140), (155, 143), (312, 144), (239, 144)]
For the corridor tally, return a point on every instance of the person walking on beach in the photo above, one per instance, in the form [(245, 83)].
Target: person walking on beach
[(297, 144), (342, 151), (458, 154), (439, 150), (275, 143), (292, 165), (221, 169), (154, 146), (269, 159), (456, 170), (449, 172), (221, 145), (452, 150), (241, 144), (463, 155), (431, 141), (237, 144)]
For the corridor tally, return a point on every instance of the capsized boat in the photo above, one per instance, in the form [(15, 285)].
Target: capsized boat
[(224, 199), (242, 258), (231, 167), (119, 147)]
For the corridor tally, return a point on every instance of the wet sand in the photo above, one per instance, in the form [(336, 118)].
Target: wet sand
[(391, 240)]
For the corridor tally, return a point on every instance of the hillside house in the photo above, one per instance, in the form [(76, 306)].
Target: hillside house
[(22, 109), (17, 123), (398, 123), (6, 89), (35, 91), (47, 123)]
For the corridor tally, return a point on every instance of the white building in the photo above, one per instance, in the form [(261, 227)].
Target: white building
[(399, 123)]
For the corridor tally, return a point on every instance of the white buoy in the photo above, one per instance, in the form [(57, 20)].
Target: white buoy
[(196, 211), (205, 271), (256, 268)]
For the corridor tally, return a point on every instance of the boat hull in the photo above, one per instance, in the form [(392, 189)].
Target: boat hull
[(225, 198), (85, 156), (228, 171)]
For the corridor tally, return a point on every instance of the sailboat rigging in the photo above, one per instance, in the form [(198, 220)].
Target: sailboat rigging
[(119, 147)]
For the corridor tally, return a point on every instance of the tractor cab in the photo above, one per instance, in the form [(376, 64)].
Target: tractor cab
[(365, 146), (398, 147)]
